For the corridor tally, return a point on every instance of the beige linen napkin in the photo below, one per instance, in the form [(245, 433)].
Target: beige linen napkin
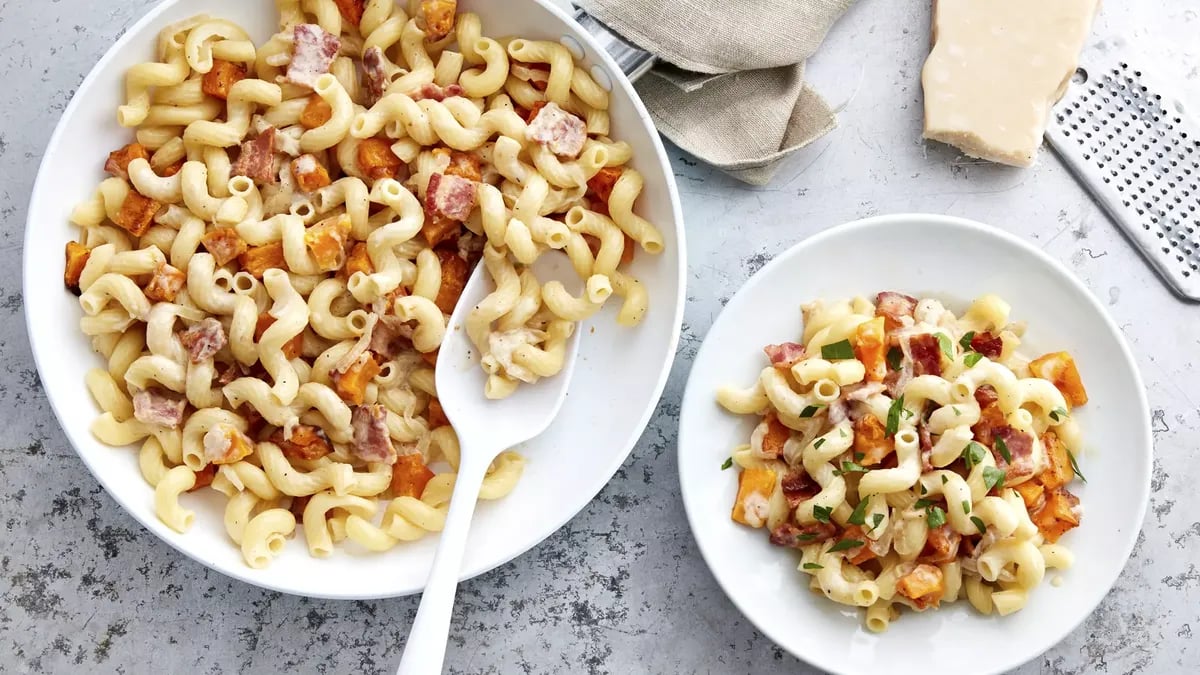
[(732, 90)]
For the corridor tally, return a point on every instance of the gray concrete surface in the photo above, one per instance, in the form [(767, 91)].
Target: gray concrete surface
[(621, 588)]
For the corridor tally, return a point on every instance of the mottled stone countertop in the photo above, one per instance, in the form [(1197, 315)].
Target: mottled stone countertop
[(621, 588)]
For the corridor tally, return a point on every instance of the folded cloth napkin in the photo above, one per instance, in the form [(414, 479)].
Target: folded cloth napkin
[(731, 90)]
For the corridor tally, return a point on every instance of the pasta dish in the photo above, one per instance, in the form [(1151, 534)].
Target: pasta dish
[(269, 267), (912, 457)]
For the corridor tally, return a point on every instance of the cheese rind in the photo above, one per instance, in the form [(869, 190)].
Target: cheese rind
[(995, 69)]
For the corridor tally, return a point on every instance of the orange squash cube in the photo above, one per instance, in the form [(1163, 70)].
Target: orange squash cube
[(224, 74), (351, 385), (436, 415), (118, 160), (436, 18), (316, 113), (233, 445), (1058, 471), (305, 443), (464, 165), (351, 10), (924, 585), (165, 283), (1031, 493), (755, 486), (357, 261), (291, 349), (204, 477), (1057, 515), (870, 346), (1059, 368), (259, 259), (77, 257), (225, 244), (602, 183), (870, 439), (410, 476), (137, 213), (309, 173), (776, 437), (327, 241), (376, 159), (455, 273)]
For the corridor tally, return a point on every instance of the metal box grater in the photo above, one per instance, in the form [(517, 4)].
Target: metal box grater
[(1136, 149)]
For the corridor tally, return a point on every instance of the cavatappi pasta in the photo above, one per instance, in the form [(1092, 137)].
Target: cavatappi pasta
[(912, 457), (269, 268)]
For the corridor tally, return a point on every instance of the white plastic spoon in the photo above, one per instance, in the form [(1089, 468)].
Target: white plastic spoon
[(485, 428)]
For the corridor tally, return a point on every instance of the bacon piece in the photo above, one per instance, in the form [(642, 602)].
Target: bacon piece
[(327, 241), (77, 257), (924, 585), (602, 183), (1058, 514), (775, 437), (799, 487), (165, 283), (533, 112), (1020, 448), (203, 340), (257, 158), (870, 346), (785, 354), (1059, 368), (941, 545), (298, 505), (374, 76), (926, 354), (225, 244), (450, 196), (987, 344), (986, 396), (390, 337), (455, 272), (259, 259), (893, 307), (229, 373), (224, 74), (315, 113), (926, 440), (306, 443), (351, 10), (154, 406), (136, 214), (753, 498), (312, 53), (430, 358), (351, 384), (309, 173), (371, 441), (434, 92), (204, 477), (436, 18), (792, 536), (560, 131), (376, 159), (118, 160), (224, 444), (410, 476), (291, 348)]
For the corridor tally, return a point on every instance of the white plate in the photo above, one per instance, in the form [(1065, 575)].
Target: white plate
[(954, 260), (619, 378)]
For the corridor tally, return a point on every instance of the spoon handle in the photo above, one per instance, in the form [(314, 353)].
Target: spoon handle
[(426, 646)]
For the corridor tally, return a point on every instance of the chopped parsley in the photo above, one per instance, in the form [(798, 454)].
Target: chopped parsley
[(979, 524), (922, 503), (1058, 414), (858, 456), (813, 566), (809, 410), (1002, 448), (965, 342), (845, 545), (819, 442), (923, 490), (837, 351), (1075, 466), (876, 520), (935, 516), (966, 506), (944, 343), (973, 454), (806, 536), (842, 430), (822, 513), (728, 463), (851, 467), (944, 479), (859, 515), (993, 477), (972, 358), (957, 412), (894, 357), (893, 416)]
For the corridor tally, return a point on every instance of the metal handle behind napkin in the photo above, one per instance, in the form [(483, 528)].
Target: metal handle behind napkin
[(633, 60), (1132, 144)]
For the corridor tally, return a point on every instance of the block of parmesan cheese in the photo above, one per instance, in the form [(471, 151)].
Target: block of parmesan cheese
[(995, 69)]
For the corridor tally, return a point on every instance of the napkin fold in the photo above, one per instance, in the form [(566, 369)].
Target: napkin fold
[(730, 85)]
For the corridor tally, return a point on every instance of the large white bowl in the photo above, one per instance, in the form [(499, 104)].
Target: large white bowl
[(954, 260), (619, 378)]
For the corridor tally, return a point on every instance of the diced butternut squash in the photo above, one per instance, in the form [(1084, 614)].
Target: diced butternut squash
[(455, 273), (357, 261), (351, 10), (858, 554), (464, 165), (1059, 368), (1058, 471), (436, 18), (165, 283), (351, 385), (224, 74), (259, 259), (327, 241), (225, 244), (137, 213), (436, 415), (77, 257), (602, 183), (204, 477), (1031, 493), (1058, 514), (775, 437), (438, 228), (171, 170), (871, 441), (118, 160), (430, 357), (924, 585), (291, 349), (305, 443), (533, 112), (410, 476), (376, 159), (315, 113), (234, 445), (870, 346), (310, 174), (755, 486)]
